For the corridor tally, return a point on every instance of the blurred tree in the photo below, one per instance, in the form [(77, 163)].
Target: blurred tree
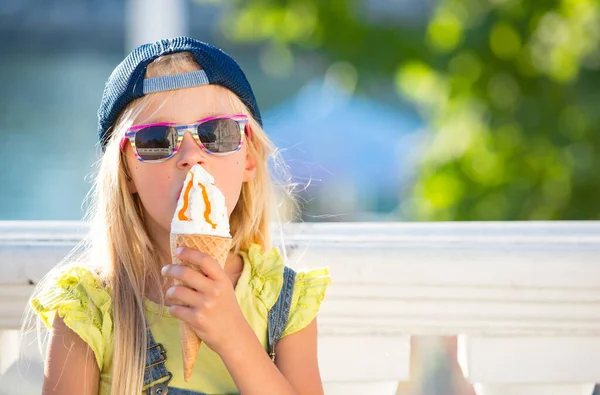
[(508, 89)]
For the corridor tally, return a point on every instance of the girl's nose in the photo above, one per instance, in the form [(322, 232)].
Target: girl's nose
[(189, 152)]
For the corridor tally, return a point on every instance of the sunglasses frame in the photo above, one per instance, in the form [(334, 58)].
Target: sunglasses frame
[(240, 119)]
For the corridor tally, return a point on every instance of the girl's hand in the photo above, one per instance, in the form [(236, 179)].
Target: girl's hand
[(206, 300)]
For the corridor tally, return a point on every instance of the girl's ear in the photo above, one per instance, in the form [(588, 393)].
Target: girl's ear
[(249, 168)]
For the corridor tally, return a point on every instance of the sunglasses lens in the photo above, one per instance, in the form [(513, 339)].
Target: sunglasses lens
[(220, 135), (155, 142)]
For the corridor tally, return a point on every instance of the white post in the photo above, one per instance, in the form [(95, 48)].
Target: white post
[(363, 364), (151, 20), (534, 389), (528, 365), (9, 345)]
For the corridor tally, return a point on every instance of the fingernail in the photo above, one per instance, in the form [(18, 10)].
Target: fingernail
[(178, 250), (164, 269)]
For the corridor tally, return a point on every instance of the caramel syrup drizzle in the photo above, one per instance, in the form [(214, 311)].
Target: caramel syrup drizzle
[(186, 202)]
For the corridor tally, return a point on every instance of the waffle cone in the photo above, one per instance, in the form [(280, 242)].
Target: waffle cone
[(217, 247)]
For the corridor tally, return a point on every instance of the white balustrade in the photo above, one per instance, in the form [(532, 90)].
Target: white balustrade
[(524, 298)]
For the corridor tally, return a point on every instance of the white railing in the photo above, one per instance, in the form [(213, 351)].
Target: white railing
[(524, 298)]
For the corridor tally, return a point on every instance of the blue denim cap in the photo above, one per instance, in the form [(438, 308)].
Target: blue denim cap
[(127, 82)]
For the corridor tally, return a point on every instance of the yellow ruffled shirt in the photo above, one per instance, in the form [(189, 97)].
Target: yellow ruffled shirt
[(85, 306)]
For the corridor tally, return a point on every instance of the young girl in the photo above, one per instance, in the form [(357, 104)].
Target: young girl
[(114, 314)]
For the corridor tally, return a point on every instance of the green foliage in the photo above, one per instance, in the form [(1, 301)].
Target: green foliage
[(508, 88)]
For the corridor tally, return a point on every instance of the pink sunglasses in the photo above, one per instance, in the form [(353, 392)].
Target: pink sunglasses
[(157, 142)]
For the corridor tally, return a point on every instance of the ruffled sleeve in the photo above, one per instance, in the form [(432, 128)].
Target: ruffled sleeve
[(81, 300), (266, 281), (266, 277), (309, 292)]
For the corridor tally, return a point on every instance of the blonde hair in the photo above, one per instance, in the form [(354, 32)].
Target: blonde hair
[(120, 247)]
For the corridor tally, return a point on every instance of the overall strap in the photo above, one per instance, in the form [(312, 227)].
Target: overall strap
[(279, 314), (155, 368)]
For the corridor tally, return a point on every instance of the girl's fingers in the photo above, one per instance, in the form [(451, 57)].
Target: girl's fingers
[(182, 295), (209, 266), (184, 313), (188, 276)]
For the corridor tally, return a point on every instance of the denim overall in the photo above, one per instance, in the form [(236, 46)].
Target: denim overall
[(156, 355)]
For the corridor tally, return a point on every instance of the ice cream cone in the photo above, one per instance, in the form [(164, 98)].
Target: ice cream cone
[(200, 222), (216, 246)]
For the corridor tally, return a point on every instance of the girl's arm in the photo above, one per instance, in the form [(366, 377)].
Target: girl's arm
[(296, 358), (70, 366), (297, 370)]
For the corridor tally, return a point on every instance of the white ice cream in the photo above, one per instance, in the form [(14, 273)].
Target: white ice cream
[(197, 217)]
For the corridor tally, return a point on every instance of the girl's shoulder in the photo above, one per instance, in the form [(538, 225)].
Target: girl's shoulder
[(265, 281), (81, 298)]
